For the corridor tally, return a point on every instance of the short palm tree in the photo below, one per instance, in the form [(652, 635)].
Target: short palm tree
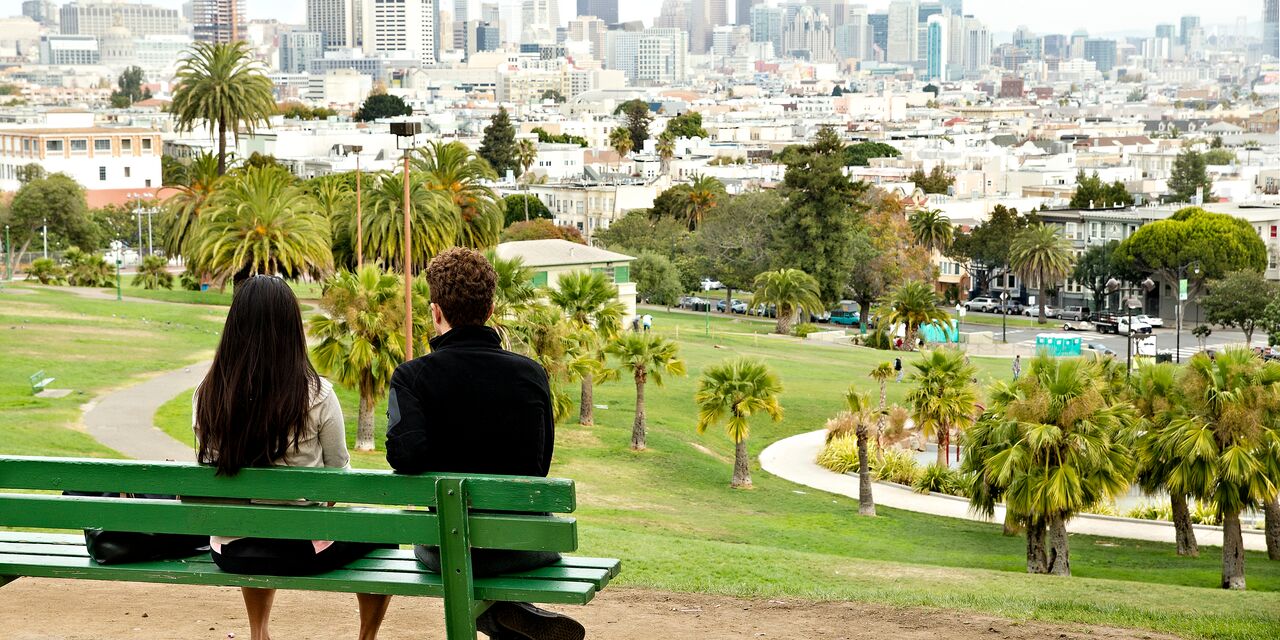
[(1154, 394), (361, 337), (222, 86), (1051, 445), (645, 356), (590, 302), (944, 397), (260, 222), (733, 392), (704, 194), (620, 141), (542, 333), (1225, 444), (913, 304), (434, 221), (513, 295), (1041, 255), (789, 290), (882, 374), (188, 201), (526, 154), (666, 148), (86, 269), (932, 229), (153, 273), (864, 414), (452, 169)]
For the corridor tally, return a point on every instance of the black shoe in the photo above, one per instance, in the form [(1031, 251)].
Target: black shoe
[(522, 621)]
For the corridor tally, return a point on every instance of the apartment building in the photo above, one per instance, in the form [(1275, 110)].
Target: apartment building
[(106, 161)]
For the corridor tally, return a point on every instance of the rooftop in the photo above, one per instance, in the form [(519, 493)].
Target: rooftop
[(550, 253)]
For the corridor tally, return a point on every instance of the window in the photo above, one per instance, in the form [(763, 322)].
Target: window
[(1273, 230), (146, 144), (102, 173), (26, 145), (79, 144), (128, 172), (126, 144), (148, 182), (53, 145), (102, 144)]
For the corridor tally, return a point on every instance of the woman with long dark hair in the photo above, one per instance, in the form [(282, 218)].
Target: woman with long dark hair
[(262, 405)]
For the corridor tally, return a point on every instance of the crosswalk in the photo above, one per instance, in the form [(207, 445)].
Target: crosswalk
[(1087, 338)]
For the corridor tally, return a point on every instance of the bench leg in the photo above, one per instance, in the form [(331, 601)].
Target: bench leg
[(455, 559), (7, 579)]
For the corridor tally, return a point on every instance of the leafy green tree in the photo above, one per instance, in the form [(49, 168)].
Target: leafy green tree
[(733, 392), (1189, 174), (299, 111), (130, 89), (672, 203), (187, 203), (1041, 255), (860, 154), (85, 269), (1094, 268), (562, 138), (885, 252), (913, 304), (334, 197), (639, 231), (657, 279), (936, 181), (686, 125), (636, 118), (1218, 156), (57, 201), (434, 221), (733, 238), (382, 105), (522, 206), (1240, 299), (30, 172), (1270, 322), (931, 229), (153, 274), (1092, 193), (790, 291), (646, 357), (360, 335), (705, 192), (541, 229), (620, 141), (1049, 446), (1154, 393), (498, 146), (454, 171), (222, 86), (590, 303)]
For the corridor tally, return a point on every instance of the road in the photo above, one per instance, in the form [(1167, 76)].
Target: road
[(1165, 337)]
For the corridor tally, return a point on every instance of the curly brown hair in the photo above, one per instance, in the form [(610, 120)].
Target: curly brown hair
[(462, 284)]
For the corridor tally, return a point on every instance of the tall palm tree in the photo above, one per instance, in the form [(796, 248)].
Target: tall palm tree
[(260, 222), (882, 374), (644, 356), (1154, 394), (704, 194), (620, 141), (333, 197), (944, 397), (361, 336), (666, 148), (513, 295), (434, 221), (542, 333), (184, 206), (1051, 444), (912, 304), (590, 302), (864, 414), (1225, 444), (224, 87), (1041, 255), (734, 391), (789, 290), (932, 229), (526, 154), (452, 169)]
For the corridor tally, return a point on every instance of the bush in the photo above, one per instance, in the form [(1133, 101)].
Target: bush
[(1204, 514), (895, 426), (46, 271), (87, 269), (1148, 511), (189, 281), (879, 339), (154, 274), (1102, 508), (840, 454), (803, 329), (940, 479), (895, 465)]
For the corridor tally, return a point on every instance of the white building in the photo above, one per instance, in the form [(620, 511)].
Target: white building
[(590, 207), (401, 26), (69, 50), (541, 18), (650, 57), (904, 39), (97, 18), (558, 161), (159, 54), (589, 29), (101, 159), (338, 20), (809, 36)]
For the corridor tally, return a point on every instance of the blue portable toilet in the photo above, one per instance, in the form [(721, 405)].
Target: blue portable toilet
[(1058, 344)]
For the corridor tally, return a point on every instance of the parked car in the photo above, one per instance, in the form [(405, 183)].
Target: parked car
[(1074, 313), (1033, 311), (694, 303), (1077, 325), (1100, 348), (983, 304), (1153, 321), (846, 313), (722, 306), (711, 285), (1112, 323)]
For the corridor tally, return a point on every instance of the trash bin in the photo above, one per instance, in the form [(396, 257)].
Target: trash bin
[(1164, 356)]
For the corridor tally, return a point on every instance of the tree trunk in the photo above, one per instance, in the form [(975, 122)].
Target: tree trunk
[(638, 427), (1040, 303), (785, 321), (944, 446), (1232, 552), (728, 300), (1272, 510), (741, 466), (586, 410), (881, 420), (864, 316), (1059, 553), (1187, 545), (1011, 525), (866, 504), (364, 424), (222, 147), (1037, 557)]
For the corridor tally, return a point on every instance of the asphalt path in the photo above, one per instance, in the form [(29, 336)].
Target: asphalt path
[(1166, 337)]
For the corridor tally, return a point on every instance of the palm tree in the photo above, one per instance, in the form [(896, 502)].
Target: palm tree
[(333, 198), (361, 336), (153, 273), (513, 295), (882, 374), (1051, 445), (863, 414), (932, 230), (188, 202), (542, 333), (434, 221), (666, 147), (591, 304), (944, 397), (789, 290), (913, 304), (620, 140), (1225, 443), (260, 222), (526, 154), (1154, 394), (455, 171), (644, 356), (734, 391), (224, 87), (1041, 255), (703, 196)]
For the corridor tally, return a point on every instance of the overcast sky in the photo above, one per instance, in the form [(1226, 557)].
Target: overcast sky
[(1042, 16)]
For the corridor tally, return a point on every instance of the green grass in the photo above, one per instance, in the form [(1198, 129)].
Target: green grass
[(668, 512), (304, 291)]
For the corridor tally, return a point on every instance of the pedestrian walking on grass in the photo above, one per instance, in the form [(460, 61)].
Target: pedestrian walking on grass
[(897, 367), (1017, 367), (647, 322)]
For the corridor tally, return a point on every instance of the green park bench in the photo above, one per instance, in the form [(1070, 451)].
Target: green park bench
[(467, 512), (39, 382)]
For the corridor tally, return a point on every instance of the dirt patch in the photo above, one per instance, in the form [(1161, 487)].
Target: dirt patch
[(702, 449), (83, 610)]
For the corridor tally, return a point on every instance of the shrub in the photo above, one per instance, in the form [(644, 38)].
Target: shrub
[(840, 454), (1204, 514), (939, 479), (1148, 511), (879, 339), (154, 274), (895, 426), (87, 269), (841, 425), (803, 329), (895, 465), (46, 271), (189, 281), (1103, 508)]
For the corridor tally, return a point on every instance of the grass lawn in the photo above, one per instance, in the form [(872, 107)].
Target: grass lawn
[(304, 291), (668, 512)]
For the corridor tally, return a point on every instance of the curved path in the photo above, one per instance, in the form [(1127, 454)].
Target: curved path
[(124, 419), (793, 459)]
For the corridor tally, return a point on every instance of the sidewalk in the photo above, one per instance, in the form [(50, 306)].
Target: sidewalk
[(123, 419), (793, 459)]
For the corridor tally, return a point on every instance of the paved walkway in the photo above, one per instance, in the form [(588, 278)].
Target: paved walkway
[(793, 459), (124, 419)]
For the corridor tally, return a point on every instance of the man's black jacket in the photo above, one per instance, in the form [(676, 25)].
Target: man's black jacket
[(470, 407)]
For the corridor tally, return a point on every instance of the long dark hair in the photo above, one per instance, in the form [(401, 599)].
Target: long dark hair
[(252, 406)]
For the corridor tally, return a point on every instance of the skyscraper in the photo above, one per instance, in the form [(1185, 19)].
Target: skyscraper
[(589, 29), (1166, 31), (297, 48), (540, 19), (977, 44), (956, 7), (218, 20), (98, 18), (766, 26), (335, 20), (606, 10), (809, 36), (904, 44), (936, 48), (1188, 23), (1102, 52), (1271, 28), (879, 23), (403, 26), (853, 38), (742, 13)]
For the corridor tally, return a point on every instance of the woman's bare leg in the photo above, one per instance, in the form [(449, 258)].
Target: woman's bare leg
[(373, 608), (258, 603)]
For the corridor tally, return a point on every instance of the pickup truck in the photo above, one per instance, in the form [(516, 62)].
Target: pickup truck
[(1111, 323)]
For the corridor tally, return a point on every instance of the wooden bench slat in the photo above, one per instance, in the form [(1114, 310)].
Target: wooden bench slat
[(489, 493), (354, 524)]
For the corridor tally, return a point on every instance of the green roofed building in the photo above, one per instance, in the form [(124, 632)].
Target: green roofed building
[(549, 259)]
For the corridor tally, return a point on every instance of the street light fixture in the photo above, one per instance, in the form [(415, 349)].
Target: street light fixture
[(1182, 298), (406, 133), (356, 149), (1004, 317)]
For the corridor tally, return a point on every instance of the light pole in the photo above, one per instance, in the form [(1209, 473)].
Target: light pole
[(960, 320), (1182, 298), (8, 255), (119, 293), (1004, 317), (356, 149), (44, 233), (405, 133)]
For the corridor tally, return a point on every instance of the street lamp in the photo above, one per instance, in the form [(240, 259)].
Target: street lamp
[(356, 149), (960, 319), (405, 133), (8, 255), (1132, 303), (140, 211), (1004, 317), (1182, 298)]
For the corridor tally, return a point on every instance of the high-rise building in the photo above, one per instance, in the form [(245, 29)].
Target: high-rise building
[(977, 44), (853, 38), (652, 57), (589, 29), (954, 7), (69, 50), (407, 27), (606, 10), (936, 47), (218, 20), (879, 23), (1188, 23), (539, 20), (1271, 28), (1028, 42), (1166, 31), (809, 36), (42, 11), (718, 12), (928, 9), (766, 26), (726, 40), (97, 18), (336, 22), (742, 12), (297, 48), (904, 41), (1101, 52)]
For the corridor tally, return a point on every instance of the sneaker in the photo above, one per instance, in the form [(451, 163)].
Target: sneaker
[(522, 621)]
